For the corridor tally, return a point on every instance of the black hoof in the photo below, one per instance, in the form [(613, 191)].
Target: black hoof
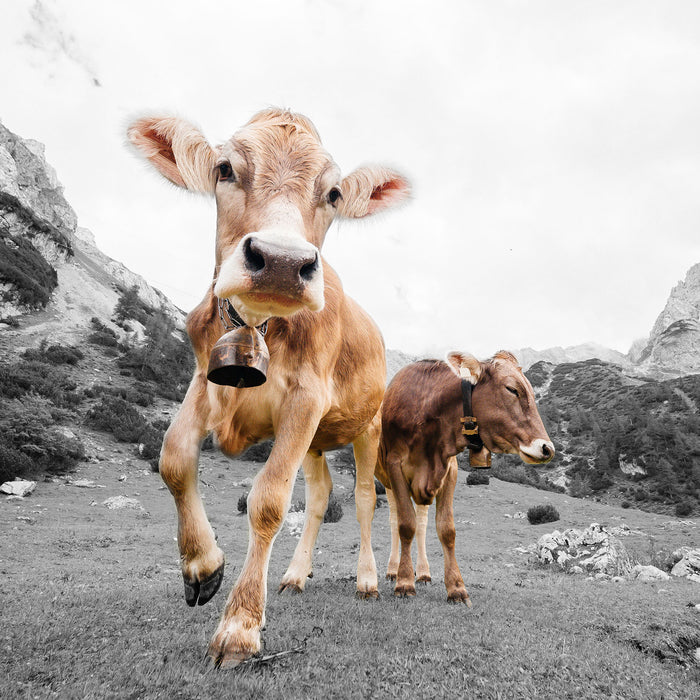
[(210, 585), (201, 592)]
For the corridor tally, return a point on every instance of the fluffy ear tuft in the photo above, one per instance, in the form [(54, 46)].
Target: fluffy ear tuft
[(464, 365), (177, 150), (371, 189)]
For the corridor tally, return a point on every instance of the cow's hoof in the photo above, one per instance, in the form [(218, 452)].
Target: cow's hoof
[(369, 594), (459, 595), (390, 577), (230, 648), (405, 590), (424, 578), (291, 586), (201, 592)]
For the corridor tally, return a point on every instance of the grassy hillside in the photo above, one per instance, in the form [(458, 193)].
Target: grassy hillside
[(624, 439)]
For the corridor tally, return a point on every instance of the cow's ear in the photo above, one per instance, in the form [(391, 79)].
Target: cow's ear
[(465, 366), (507, 357), (177, 149), (372, 189)]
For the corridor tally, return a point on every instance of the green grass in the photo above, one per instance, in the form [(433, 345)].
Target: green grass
[(93, 606)]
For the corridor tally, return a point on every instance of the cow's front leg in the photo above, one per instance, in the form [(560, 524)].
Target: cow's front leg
[(201, 559), (318, 488), (365, 448), (422, 566), (238, 635), (444, 521)]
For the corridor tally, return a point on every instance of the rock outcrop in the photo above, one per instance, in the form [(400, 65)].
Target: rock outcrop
[(674, 342), (51, 272)]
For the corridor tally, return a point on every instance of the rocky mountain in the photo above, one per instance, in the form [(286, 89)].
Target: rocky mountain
[(673, 346), (48, 265)]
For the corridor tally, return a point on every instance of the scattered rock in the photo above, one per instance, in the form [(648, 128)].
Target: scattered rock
[(122, 477), (519, 515), (648, 574), (18, 487), (118, 502), (688, 565), (244, 484), (84, 484), (295, 522), (595, 549)]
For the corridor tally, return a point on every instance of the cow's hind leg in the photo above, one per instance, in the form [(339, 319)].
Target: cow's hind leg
[(422, 566), (406, 516), (238, 635), (318, 488), (201, 559), (444, 521), (365, 448), (392, 568)]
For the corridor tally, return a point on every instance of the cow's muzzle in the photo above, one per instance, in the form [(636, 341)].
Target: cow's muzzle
[(539, 451)]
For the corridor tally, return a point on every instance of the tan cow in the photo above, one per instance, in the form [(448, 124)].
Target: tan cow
[(277, 191), (433, 410)]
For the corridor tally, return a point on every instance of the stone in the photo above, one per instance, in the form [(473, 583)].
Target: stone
[(593, 550), (18, 487), (688, 565), (84, 484), (648, 574), (295, 522), (119, 502)]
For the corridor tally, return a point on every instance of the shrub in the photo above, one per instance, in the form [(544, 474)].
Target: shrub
[(116, 416), (684, 508), (103, 335), (334, 510), (379, 488), (542, 514), (27, 376), (257, 453), (243, 503), (477, 477), (54, 354), (29, 444), (32, 279), (625, 504)]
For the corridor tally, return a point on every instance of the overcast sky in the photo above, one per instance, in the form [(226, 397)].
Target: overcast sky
[(554, 147)]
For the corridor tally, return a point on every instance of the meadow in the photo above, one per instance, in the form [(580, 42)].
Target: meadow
[(92, 601)]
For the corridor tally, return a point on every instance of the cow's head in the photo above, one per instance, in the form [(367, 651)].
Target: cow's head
[(277, 191), (503, 403)]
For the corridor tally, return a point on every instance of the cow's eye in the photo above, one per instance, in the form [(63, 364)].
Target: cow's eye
[(225, 172), (334, 196), (513, 390)]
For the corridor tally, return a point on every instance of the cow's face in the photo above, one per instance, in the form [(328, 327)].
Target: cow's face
[(504, 404), (277, 191)]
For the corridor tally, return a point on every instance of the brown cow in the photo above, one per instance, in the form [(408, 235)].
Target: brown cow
[(277, 191), (422, 431)]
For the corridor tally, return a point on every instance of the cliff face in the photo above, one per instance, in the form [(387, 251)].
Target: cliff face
[(51, 273), (674, 342)]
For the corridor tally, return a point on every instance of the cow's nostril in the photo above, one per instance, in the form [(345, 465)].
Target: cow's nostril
[(547, 451), (254, 260), (307, 271)]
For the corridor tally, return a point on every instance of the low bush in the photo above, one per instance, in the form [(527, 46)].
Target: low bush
[(30, 443), (684, 508), (477, 477), (257, 453), (379, 488), (334, 510), (542, 514), (243, 503), (31, 376), (54, 354), (625, 504), (23, 267)]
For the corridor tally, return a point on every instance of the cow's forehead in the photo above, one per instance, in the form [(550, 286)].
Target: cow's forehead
[(281, 155)]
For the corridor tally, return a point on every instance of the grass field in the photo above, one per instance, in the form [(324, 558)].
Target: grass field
[(93, 607)]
